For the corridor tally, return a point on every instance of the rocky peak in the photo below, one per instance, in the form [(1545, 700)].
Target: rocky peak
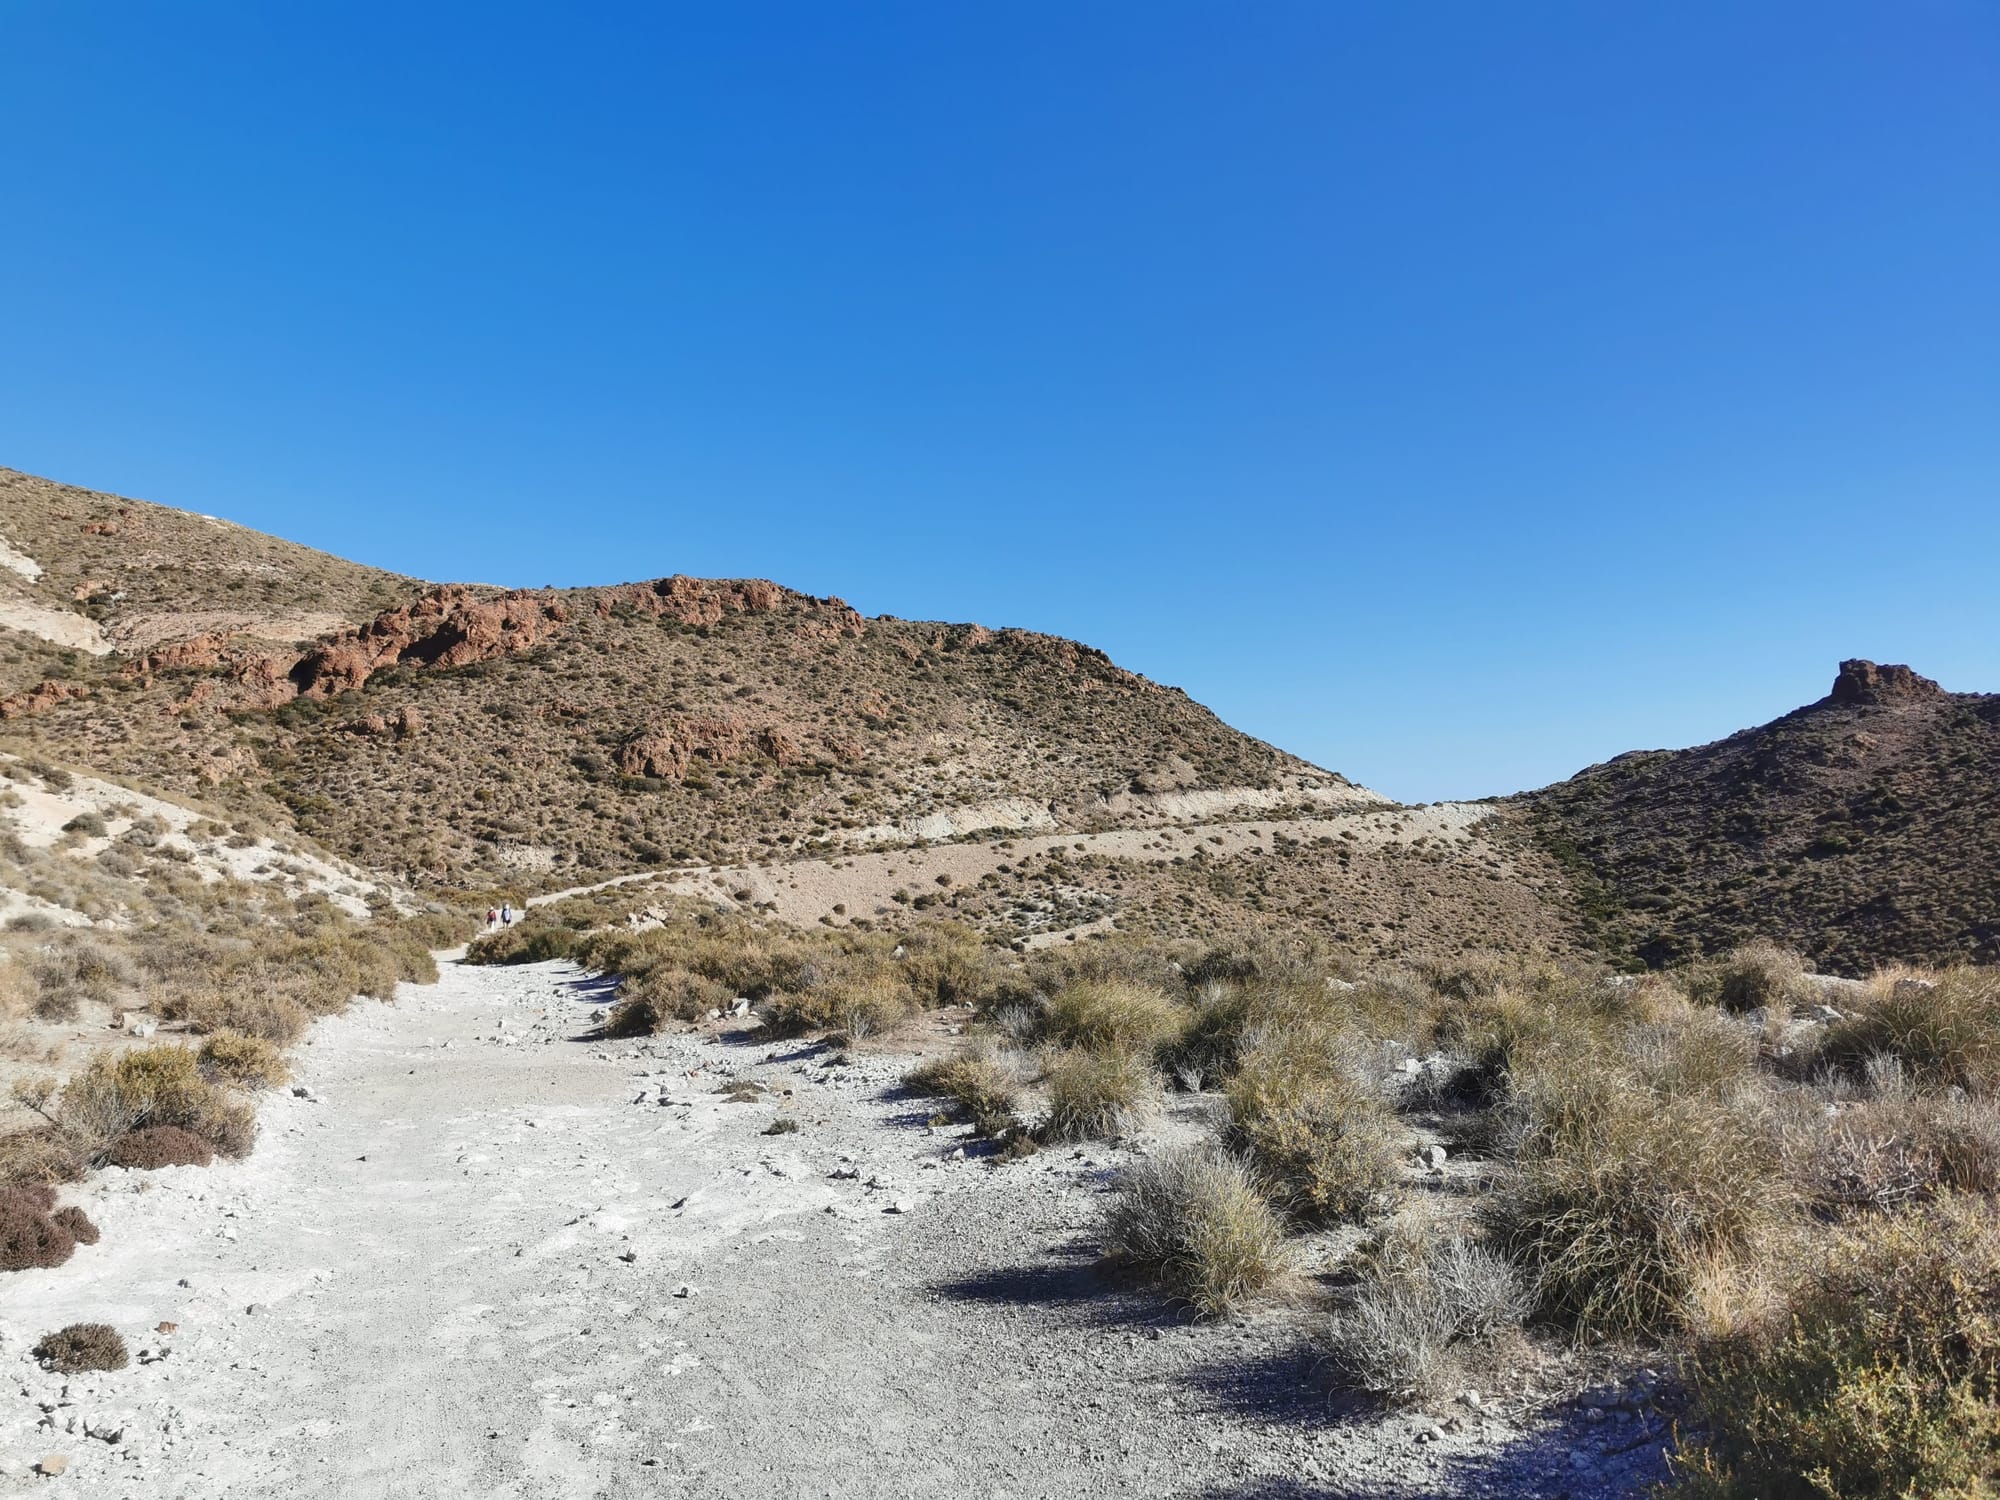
[(1862, 682)]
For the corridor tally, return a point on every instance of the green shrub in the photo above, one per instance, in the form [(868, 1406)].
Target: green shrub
[(1882, 1382), (1195, 1219)]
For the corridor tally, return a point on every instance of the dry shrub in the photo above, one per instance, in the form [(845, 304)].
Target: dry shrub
[(1426, 1317), (983, 1084), (945, 963), (1880, 1380), (77, 1223), (149, 1086), (1620, 1194), (80, 968), (1112, 1013), (1096, 1095), (529, 941), (858, 995), (661, 995), (1196, 1220), (40, 1154), (1899, 1146), (1755, 976), (1947, 1033), (246, 1002), (30, 1235), (157, 1146), (81, 1347), (1314, 1123), (244, 1062)]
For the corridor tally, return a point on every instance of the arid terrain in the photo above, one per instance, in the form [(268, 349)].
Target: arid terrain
[(931, 1057)]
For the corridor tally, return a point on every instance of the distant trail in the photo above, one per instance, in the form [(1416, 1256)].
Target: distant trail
[(419, 1286)]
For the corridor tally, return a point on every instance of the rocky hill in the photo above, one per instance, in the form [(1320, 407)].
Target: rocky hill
[(463, 735), (1863, 829)]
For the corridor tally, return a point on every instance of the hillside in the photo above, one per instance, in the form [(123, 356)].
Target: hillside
[(1862, 829), (463, 737), (99, 572)]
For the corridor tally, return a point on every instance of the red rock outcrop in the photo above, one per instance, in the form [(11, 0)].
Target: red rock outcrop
[(1863, 682), (707, 601), (668, 752), (447, 627), (41, 699)]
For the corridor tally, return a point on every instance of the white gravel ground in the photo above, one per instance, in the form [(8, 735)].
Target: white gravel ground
[(485, 1257)]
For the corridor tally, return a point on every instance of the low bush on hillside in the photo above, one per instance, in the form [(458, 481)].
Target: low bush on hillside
[(1194, 1218), (1878, 1378), (76, 1223), (1428, 1315), (151, 1086), (1112, 1013), (30, 1234), (661, 995), (1754, 976), (529, 941), (82, 1347), (1619, 1195)]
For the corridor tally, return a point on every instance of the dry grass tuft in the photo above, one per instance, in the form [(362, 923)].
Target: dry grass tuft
[(1314, 1123), (1944, 1032), (1096, 1095), (1196, 1220), (1116, 1014), (983, 1083), (242, 1062), (1426, 1317)]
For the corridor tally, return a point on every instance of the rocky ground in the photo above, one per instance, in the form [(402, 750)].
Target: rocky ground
[(478, 1254)]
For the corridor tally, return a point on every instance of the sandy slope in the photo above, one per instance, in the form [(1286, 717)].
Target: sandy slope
[(453, 1270)]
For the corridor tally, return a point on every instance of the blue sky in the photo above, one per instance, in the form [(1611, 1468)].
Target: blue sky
[(1455, 394)]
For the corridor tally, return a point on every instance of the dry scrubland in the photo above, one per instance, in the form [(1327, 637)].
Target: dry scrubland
[(147, 996), (1779, 1186)]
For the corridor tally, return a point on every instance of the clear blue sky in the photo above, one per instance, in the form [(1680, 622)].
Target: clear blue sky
[(1453, 393)]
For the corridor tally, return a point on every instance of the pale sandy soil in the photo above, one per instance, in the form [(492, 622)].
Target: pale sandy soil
[(455, 1268), (59, 627), (806, 890), (36, 813)]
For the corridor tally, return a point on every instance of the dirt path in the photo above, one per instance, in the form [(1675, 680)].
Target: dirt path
[(483, 1257)]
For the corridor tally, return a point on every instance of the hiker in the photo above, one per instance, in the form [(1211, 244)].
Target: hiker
[(492, 917), (506, 914)]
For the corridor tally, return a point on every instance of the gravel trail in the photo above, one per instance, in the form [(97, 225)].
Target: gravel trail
[(483, 1256)]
